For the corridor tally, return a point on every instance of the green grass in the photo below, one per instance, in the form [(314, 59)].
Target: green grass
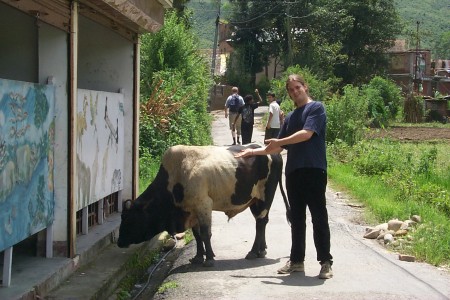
[(431, 238), (167, 286)]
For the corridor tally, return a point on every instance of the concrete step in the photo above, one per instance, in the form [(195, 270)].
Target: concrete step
[(100, 278), (93, 273)]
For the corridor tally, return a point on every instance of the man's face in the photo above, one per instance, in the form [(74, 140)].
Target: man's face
[(297, 92)]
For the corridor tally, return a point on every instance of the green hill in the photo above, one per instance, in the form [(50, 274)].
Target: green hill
[(433, 16)]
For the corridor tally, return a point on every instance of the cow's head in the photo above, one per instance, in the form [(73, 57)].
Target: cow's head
[(143, 219), (136, 226)]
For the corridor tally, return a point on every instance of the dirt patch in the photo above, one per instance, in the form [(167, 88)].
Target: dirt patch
[(412, 133)]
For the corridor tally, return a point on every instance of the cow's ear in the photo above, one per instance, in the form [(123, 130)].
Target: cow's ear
[(127, 204)]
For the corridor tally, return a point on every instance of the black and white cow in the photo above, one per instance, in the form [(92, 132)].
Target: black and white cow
[(192, 182)]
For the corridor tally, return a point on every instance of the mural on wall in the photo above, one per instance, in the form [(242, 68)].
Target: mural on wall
[(100, 148), (27, 131)]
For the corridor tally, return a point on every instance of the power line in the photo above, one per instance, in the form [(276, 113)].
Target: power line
[(254, 18)]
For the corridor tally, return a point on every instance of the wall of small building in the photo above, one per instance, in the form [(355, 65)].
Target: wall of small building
[(36, 52), (53, 66), (18, 53), (105, 63)]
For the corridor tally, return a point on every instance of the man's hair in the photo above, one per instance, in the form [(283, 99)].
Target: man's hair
[(271, 94), (234, 89)]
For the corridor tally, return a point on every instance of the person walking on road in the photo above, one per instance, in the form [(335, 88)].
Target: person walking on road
[(303, 136), (247, 113), (232, 105), (274, 120)]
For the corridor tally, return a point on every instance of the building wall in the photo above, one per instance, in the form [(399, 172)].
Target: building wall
[(53, 47), (18, 51), (39, 53), (105, 63), (29, 45)]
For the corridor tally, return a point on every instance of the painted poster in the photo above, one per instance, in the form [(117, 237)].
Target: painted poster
[(100, 147), (26, 160)]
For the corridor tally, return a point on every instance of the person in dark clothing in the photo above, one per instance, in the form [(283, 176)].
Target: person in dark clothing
[(303, 136), (248, 118)]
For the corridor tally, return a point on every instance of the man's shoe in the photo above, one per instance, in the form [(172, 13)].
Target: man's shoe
[(325, 271), (292, 267)]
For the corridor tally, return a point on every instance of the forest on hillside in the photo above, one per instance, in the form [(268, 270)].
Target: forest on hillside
[(432, 15)]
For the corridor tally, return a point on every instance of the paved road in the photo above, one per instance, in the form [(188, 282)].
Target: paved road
[(363, 269)]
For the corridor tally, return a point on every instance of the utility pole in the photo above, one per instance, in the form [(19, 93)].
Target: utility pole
[(416, 63), (289, 35), (214, 53)]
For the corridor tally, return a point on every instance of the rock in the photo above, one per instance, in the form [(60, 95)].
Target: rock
[(410, 223), (382, 234), (416, 218), (383, 226), (372, 234), (168, 244), (401, 232), (409, 258), (388, 238), (179, 236), (395, 224), (369, 229)]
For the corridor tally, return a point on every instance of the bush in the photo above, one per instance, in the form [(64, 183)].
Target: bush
[(346, 116), (175, 82), (318, 89), (384, 100)]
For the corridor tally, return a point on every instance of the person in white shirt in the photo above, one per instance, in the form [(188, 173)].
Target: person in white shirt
[(274, 120)]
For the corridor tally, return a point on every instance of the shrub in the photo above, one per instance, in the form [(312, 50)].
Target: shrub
[(346, 116), (384, 100), (175, 83), (319, 90)]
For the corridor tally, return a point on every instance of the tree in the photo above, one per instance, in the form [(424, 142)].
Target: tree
[(442, 46), (343, 38)]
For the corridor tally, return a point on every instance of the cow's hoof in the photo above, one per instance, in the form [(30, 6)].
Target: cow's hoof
[(251, 255), (262, 254), (209, 263), (197, 260)]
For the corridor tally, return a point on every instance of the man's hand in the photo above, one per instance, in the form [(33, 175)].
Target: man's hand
[(272, 144), (244, 153)]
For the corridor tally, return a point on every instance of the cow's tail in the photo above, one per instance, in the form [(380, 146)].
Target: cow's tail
[(286, 203)]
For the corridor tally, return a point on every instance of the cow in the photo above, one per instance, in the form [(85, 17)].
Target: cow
[(192, 181)]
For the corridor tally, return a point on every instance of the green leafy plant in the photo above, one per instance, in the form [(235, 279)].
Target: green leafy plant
[(167, 286)]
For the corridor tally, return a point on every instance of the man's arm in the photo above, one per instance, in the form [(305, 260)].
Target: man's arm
[(269, 120), (259, 97)]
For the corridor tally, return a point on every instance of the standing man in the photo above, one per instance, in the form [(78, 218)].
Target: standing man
[(232, 105), (303, 136), (274, 120)]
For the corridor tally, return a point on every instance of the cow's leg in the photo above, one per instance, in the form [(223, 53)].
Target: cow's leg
[(205, 233), (261, 215), (198, 258), (204, 216)]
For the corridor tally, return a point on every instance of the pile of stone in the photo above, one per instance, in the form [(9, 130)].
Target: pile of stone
[(394, 233)]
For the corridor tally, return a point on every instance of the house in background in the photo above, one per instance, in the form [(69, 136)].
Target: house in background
[(414, 71), (69, 109)]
